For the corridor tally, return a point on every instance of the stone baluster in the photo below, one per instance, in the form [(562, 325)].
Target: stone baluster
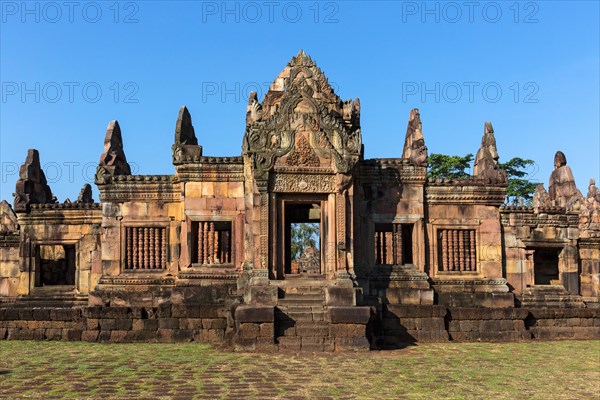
[(163, 249), (128, 237), (205, 243), (389, 251), (133, 248), (376, 247), (467, 251), (211, 237), (461, 250), (151, 248), (157, 247), (450, 250), (445, 250), (455, 253), (399, 256), (145, 248), (140, 249), (217, 256), (473, 259), (200, 242)]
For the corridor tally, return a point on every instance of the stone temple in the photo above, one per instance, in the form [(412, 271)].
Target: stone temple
[(205, 253)]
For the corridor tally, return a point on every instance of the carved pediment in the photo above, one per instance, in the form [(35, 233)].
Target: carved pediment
[(303, 123)]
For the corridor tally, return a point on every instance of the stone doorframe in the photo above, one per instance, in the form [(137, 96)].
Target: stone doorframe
[(279, 229)]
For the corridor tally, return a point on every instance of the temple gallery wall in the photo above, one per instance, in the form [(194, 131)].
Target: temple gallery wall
[(300, 242)]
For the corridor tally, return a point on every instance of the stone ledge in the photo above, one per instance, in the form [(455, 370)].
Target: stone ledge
[(254, 314)]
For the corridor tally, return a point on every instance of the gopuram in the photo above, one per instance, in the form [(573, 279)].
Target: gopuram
[(208, 253)]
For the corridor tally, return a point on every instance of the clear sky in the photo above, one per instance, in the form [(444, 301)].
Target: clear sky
[(68, 68)]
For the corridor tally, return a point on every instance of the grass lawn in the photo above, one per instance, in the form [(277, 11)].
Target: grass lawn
[(543, 370)]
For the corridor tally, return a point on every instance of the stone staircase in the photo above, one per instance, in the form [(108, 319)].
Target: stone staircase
[(549, 296), (300, 316), (52, 296)]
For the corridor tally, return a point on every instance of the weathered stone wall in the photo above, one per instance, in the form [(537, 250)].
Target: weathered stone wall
[(564, 323), (589, 255), (402, 325), (257, 329), (10, 274), (166, 323), (478, 324)]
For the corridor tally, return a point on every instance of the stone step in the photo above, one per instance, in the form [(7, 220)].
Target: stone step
[(306, 316), (300, 302), (303, 308), (303, 329), (309, 295)]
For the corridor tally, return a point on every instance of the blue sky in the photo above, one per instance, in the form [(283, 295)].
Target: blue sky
[(532, 68)]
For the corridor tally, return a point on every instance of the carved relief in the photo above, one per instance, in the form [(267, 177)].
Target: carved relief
[(414, 142), (301, 100), (302, 183), (303, 154)]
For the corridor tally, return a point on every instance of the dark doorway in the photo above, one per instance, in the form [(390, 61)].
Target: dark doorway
[(303, 238), (56, 265), (545, 265)]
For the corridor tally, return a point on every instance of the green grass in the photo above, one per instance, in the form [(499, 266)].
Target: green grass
[(542, 370)]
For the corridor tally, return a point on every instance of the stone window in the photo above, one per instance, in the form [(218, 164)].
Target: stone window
[(393, 244), (211, 243), (545, 266), (457, 250), (56, 265), (145, 248)]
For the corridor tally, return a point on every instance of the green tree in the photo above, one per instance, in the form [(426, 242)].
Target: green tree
[(448, 167), (519, 188), (303, 235), (455, 167)]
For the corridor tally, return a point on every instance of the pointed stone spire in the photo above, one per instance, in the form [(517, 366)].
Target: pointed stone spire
[(32, 187), (486, 160), (186, 146), (414, 143), (112, 161), (85, 195), (184, 130), (8, 219), (561, 188)]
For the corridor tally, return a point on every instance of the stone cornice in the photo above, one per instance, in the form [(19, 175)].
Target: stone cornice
[(220, 169), (142, 188), (386, 170), (132, 280), (533, 219), (486, 194), (61, 214)]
